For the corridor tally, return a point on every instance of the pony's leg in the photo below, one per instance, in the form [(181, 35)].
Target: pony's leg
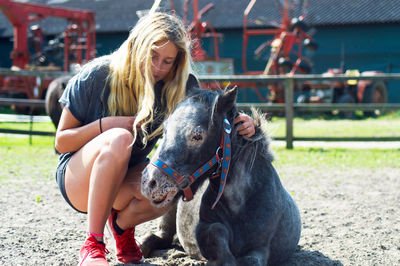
[(256, 257), (163, 237), (213, 241)]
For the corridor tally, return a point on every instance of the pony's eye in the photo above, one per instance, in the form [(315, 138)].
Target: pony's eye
[(196, 137)]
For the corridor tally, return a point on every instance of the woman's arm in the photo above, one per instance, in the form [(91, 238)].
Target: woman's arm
[(71, 135)]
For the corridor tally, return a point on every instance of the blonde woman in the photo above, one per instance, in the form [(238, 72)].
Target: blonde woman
[(111, 121)]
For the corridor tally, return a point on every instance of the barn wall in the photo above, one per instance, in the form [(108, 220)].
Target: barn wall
[(371, 47), (364, 47)]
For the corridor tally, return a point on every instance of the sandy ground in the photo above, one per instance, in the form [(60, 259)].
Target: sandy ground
[(350, 217)]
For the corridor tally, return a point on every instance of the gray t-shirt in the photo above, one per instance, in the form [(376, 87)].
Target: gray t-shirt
[(86, 96)]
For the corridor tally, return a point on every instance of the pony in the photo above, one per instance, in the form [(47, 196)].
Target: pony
[(229, 205)]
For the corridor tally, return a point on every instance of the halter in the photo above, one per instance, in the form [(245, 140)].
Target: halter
[(224, 162)]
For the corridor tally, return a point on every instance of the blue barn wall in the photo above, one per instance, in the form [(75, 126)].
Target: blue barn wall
[(363, 47), (108, 43), (366, 47), (6, 47)]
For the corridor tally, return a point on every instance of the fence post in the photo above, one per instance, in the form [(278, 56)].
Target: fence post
[(289, 112)]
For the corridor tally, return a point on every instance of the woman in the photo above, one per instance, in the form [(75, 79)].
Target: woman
[(111, 121)]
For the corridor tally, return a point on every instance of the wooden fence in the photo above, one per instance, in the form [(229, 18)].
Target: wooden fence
[(289, 107), (27, 103)]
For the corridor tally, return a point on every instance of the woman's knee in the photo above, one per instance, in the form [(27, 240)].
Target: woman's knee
[(119, 136), (118, 142)]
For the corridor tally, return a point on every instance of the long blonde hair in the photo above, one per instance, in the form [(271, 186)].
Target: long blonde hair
[(130, 78)]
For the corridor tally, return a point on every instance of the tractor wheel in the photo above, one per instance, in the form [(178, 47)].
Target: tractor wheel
[(53, 94), (346, 98), (375, 93)]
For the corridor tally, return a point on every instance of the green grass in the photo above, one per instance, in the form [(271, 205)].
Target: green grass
[(9, 140), (337, 158), (36, 126), (384, 126), (20, 158)]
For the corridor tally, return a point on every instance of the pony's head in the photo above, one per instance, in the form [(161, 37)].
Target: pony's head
[(192, 135)]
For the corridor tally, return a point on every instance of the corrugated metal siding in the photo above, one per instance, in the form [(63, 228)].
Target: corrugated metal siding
[(367, 29), (120, 15)]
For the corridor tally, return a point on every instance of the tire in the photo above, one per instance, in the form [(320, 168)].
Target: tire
[(374, 93), (346, 98), (53, 94)]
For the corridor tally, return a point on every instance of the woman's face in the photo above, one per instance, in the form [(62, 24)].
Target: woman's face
[(163, 58)]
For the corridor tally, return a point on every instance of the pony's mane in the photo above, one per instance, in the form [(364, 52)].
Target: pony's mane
[(249, 148), (244, 148)]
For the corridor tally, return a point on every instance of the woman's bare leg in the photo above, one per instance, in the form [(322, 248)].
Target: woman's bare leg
[(133, 206), (95, 174)]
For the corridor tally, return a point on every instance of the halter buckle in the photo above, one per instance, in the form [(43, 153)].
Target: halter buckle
[(218, 170), (217, 154), (227, 126), (184, 183)]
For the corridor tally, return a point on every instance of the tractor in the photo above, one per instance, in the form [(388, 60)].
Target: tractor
[(289, 38), (73, 47)]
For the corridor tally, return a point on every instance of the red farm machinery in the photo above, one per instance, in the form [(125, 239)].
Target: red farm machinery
[(289, 39), (286, 41), (75, 46), (198, 29)]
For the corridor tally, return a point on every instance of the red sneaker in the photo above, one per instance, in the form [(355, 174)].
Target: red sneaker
[(93, 253), (127, 250)]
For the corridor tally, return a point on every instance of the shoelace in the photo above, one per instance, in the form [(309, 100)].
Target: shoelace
[(97, 250), (127, 241)]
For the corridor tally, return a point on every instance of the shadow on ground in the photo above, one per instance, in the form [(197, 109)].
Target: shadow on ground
[(178, 258)]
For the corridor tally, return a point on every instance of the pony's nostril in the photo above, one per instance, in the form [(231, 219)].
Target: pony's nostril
[(152, 184)]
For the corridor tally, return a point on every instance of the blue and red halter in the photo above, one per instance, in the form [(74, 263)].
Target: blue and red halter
[(224, 162)]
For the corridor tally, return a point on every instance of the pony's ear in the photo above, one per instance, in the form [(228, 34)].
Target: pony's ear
[(192, 85), (226, 100)]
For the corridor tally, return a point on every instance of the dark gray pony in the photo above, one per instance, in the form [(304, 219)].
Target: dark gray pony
[(241, 215)]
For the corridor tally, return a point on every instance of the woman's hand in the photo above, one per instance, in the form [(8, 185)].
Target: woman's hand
[(247, 128), (118, 121)]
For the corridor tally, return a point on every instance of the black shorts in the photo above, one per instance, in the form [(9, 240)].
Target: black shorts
[(60, 178), (60, 174)]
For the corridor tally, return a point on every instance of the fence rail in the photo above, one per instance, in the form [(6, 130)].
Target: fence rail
[(289, 107), (22, 102), (29, 103), (25, 102), (32, 73)]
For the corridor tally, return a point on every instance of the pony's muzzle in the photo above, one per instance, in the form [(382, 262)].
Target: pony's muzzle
[(157, 187)]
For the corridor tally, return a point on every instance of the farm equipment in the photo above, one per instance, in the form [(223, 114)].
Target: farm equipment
[(76, 46), (197, 29), (289, 39)]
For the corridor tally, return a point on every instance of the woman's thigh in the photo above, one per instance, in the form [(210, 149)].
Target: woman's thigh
[(79, 169)]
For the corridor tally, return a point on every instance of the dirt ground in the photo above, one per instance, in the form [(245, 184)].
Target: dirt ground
[(350, 217)]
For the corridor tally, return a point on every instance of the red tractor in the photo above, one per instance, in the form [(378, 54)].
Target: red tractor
[(199, 29), (289, 38), (76, 46)]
